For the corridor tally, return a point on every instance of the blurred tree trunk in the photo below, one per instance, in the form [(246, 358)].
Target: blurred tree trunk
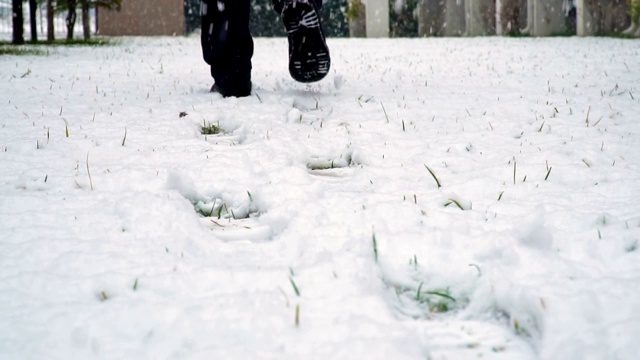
[(71, 18), (33, 7), (50, 26), (431, 16), (86, 19), (403, 20), (357, 19), (510, 17), (634, 12), (18, 22)]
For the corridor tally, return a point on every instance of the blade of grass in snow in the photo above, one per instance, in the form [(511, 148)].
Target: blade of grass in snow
[(375, 247), (455, 202), (477, 268), (441, 294), (587, 119), (89, 172), (385, 112), (295, 287), (433, 175)]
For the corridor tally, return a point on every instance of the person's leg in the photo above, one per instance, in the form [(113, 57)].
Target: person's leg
[(227, 45), (309, 58), (279, 4)]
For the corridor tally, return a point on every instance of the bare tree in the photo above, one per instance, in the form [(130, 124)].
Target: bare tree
[(86, 19), (71, 18), (33, 7), (85, 6), (50, 25), (18, 22)]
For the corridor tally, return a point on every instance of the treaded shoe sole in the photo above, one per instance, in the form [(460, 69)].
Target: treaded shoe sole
[(309, 59)]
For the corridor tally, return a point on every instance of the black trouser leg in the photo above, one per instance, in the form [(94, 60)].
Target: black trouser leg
[(227, 45), (279, 4)]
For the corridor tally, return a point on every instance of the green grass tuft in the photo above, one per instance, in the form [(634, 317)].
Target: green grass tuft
[(64, 42), (19, 50), (36, 48), (209, 129)]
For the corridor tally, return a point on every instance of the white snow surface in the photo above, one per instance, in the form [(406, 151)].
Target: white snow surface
[(312, 227)]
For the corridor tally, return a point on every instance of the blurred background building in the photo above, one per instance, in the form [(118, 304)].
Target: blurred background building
[(362, 18), (144, 18)]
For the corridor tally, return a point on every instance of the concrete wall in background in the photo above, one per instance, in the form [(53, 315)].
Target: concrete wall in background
[(524, 17), (437, 17), (602, 16), (377, 18)]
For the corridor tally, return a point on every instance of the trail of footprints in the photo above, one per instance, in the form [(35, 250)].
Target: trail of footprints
[(237, 219)]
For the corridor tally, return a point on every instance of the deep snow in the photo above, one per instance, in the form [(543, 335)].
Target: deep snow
[(529, 249)]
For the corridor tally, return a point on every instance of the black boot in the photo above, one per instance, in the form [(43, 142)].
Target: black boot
[(309, 58), (227, 45)]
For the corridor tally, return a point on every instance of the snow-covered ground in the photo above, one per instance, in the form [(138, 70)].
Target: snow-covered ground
[(430, 199)]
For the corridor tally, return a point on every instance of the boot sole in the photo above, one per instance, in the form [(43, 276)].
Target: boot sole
[(309, 59)]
